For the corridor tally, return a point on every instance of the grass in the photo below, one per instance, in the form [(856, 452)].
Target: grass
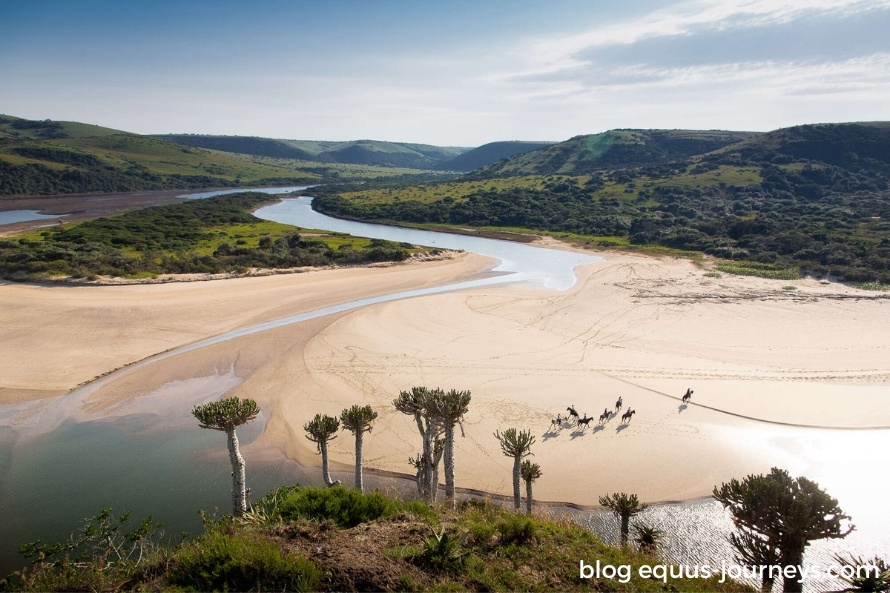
[(761, 270)]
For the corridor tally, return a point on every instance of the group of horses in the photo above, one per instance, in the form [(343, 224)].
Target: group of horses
[(605, 416)]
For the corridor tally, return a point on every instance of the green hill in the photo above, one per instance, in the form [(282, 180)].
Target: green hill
[(488, 154), (357, 152), (48, 157), (803, 200), (614, 149)]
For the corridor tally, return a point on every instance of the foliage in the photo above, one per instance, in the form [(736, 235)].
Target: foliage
[(322, 428), (345, 507), (195, 236), (647, 537), (865, 575), (777, 516), (240, 561), (106, 550), (358, 419), (516, 528), (226, 414), (515, 443), (530, 471), (443, 550), (624, 506)]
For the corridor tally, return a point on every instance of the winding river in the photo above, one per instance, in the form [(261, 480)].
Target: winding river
[(151, 463)]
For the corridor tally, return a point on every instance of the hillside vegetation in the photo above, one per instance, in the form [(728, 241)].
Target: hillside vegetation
[(47, 157), (334, 539), (810, 199), (207, 236)]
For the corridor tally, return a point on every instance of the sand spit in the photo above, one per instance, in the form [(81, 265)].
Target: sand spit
[(759, 356)]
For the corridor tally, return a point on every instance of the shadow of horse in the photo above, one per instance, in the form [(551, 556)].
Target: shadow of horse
[(621, 427), (682, 407), (575, 434), (550, 434), (598, 428)]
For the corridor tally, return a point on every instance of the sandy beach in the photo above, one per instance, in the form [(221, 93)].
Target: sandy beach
[(761, 357)]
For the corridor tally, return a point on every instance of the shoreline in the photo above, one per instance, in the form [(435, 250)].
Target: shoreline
[(634, 325)]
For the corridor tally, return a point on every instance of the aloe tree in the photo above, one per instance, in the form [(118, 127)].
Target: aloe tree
[(416, 403), (358, 419), (530, 472), (516, 444), (624, 506), (226, 415), (320, 430), (449, 408)]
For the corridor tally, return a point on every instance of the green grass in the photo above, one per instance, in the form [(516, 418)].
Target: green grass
[(761, 270)]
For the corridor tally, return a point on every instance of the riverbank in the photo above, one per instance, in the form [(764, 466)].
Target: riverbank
[(759, 356)]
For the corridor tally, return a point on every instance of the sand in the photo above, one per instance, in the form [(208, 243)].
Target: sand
[(764, 361)]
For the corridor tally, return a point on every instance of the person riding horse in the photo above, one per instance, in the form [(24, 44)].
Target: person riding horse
[(687, 396), (618, 404)]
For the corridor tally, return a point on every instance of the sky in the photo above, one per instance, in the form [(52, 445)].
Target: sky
[(447, 72)]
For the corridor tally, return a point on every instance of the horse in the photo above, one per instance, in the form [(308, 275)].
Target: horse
[(557, 422), (585, 421), (618, 404), (627, 415), (605, 416), (572, 413), (687, 396)]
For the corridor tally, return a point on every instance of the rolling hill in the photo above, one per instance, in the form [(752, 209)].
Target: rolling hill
[(488, 154), (614, 149), (357, 152)]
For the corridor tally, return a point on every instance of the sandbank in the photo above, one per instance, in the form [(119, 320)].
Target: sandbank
[(766, 363)]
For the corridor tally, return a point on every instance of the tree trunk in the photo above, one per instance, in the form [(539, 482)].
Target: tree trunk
[(528, 497), (239, 495), (449, 463), (424, 484), (625, 528), (325, 466), (517, 493), (359, 483), (792, 557), (767, 585)]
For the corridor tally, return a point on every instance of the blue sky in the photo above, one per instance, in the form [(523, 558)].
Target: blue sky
[(458, 73)]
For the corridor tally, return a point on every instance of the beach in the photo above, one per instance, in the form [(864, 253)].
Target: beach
[(763, 357)]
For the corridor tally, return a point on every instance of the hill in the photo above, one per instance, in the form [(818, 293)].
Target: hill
[(804, 200), (614, 149), (357, 152), (488, 154), (49, 157)]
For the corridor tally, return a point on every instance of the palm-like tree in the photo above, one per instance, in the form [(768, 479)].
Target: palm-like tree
[(225, 415), (416, 403), (624, 506), (449, 408), (516, 444), (358, 419), (529, 472), (320, 430), (648, 537)]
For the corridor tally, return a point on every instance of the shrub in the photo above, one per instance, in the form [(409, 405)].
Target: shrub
[(240, 562), (345, 507)]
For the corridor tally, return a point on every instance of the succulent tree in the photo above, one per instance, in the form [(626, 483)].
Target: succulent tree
[(648, 537), (449, 408), (624, 506), (416, 403), (358, 419), (516, 444), (226, 415), (781, 515), (530, 472), (320, 430)]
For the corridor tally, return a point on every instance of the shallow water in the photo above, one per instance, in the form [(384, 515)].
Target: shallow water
[(13, 216), (61, 466)]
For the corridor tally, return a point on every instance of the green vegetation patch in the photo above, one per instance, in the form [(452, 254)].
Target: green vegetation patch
[(344, 506), (744, 268), (213, 235)]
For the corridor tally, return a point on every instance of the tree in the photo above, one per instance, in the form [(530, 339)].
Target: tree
[(648, 537), (449, 408), (225, 415), (781, 515), (320, 430), (624, 506), (516, 445), (530, 472), (358, 419), (416, 403)]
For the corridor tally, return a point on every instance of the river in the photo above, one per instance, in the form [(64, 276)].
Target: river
[(58, 471)]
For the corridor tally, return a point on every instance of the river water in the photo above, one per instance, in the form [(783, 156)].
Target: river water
[(147, 457)]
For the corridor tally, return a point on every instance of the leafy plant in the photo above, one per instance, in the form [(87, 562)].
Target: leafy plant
[(443, 550)]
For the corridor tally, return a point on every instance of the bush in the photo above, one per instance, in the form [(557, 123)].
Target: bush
[(240, 562), (345, 507)]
